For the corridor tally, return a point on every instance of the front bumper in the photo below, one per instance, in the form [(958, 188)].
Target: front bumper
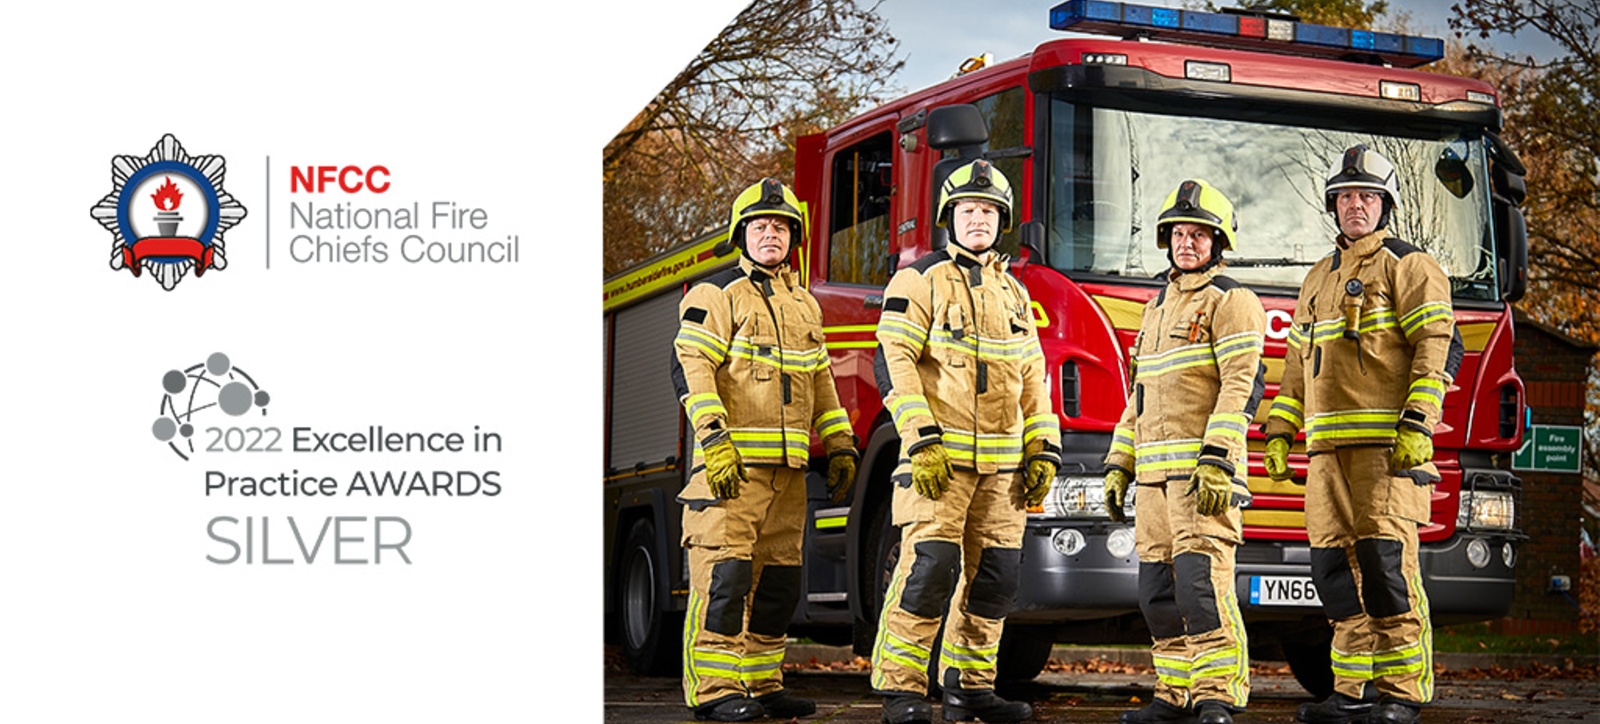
[(1093, 583)]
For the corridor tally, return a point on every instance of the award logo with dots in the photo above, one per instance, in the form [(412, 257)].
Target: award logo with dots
[(214, 412)]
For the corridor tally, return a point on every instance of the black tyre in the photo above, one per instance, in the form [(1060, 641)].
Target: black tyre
[(1312, 666), (883, 544), (1024, 651), (650, 632)]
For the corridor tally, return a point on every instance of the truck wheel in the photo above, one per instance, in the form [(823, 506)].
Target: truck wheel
[(1312, 666), (883, 544), (650, 632), (1024, 650)]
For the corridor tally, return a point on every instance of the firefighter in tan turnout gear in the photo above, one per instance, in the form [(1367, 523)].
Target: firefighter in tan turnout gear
[(961, 370), (753, 375), (1371, 353), (1197, 381)]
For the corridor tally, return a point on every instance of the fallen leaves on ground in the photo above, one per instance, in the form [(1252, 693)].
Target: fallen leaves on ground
[(855, 664), (1097, 665), (1535, 670)]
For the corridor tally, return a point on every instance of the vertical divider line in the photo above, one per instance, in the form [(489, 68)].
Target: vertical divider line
[(269, 212)]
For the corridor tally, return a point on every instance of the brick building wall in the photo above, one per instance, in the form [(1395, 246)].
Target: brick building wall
[(1555, 371)]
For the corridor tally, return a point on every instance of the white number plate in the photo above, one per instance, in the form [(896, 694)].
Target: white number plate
[(1283, 591)]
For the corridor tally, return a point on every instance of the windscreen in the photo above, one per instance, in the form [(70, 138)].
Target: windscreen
[(1110, 170)]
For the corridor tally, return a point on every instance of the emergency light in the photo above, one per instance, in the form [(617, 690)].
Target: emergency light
[(1245, 32)]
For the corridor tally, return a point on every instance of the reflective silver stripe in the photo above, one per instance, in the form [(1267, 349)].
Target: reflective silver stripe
[(897, 326), (899, 647), (1216, 667), (1233, 344), (1182, 357), (1382, 665), (1228, 422), (1021, 348)]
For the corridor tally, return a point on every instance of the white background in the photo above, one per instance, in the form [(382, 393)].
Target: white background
[(108, 608)]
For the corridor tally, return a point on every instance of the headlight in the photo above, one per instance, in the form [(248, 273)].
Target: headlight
[(1068, 542), (1079, 496), (1120, 543), (1477, 553), (1487, 509)]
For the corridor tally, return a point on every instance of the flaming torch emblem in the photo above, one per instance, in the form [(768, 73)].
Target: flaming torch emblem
[(167, 199), (155, 185)]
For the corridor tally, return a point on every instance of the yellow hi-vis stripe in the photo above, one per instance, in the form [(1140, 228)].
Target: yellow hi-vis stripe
[(1172, 672), (966, 658), (831, 422), (1351, 666), (764, 665)]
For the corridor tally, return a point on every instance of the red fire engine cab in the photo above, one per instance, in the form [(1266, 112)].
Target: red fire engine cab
[(1093, 132)]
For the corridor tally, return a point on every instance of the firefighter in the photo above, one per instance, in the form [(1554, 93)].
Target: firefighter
[(1198, 379), (1371, 353), (960, 369), (753, 375)]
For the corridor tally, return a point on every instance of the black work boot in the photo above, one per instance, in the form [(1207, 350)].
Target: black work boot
[(734, 707), (1394, 710), (983, 705), (781, 704), (1158, 711), (1211, 711), (907, 709), (1336, 709)]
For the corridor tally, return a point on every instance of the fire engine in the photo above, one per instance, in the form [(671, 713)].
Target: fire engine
[(1093, 131)]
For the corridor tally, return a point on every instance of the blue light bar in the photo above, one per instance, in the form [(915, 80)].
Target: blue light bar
[(1322, 35), (1137, 15), (1391, 43), (1222, 30), (1431, 47), (1211, 23)]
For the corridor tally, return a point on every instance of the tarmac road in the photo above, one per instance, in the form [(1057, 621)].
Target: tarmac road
[(1074, 696)]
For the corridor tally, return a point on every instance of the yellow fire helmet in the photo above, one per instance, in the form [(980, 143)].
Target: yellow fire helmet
[(769, 197), (976, 180), (1196, 201)]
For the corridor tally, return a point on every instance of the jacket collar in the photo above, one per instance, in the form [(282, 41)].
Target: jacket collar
[(1192, 281), (1363, 247), (782, 275), (966, 259)]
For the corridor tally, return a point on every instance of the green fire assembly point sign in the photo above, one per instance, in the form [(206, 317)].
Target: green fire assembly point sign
[(1550, 449)]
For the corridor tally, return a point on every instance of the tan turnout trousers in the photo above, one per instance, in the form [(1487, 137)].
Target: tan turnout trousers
[(1186, 567), (958, 555), (744, 562), (1362, 521)]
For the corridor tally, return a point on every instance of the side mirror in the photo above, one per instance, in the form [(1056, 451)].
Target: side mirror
[(956, 126)]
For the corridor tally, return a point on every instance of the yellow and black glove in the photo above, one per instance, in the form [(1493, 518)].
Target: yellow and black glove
[(1041, 473), (930, 471), (841, 474), (1412, 447), (1116, 493), (724, 469), (1212, 487), (1276, 459)]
